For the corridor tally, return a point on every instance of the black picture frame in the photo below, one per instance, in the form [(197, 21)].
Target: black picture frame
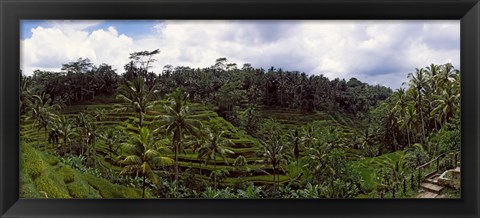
[(12, 11)]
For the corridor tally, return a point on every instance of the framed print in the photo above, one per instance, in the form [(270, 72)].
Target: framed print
[(239, 108)]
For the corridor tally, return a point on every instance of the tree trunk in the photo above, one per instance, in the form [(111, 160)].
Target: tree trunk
[(278, 180), (143, 187), (176, 167), (394, 140), (298, 173), (408, 137), (87, 150), (214, 174), (423, 123), (274, 183)]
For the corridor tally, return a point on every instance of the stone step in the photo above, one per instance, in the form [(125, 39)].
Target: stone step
[(441, 196), (432, 187), (427, 195), (433, 179)]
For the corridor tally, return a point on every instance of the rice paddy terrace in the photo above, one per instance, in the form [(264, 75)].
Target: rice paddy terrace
[(243, 144)]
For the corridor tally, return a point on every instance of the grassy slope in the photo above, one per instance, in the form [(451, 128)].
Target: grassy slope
[(42, 175)]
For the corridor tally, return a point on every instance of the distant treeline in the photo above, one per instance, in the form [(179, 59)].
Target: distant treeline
[(222, 86)]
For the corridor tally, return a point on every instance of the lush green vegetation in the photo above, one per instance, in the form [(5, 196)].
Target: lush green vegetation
[(228, 132)]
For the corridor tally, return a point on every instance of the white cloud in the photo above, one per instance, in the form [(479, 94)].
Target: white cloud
[(373, 51), (49, 48)]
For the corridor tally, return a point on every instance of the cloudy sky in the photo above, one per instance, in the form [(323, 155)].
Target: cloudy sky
[(377, 52)]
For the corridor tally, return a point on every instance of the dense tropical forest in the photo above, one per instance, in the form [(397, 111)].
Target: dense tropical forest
[(234, 132)]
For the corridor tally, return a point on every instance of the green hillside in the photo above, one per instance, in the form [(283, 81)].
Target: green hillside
[(42, 175)]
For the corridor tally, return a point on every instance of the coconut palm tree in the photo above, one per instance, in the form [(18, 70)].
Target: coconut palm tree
[(432, 72), (65, 131), (111, 137), (215, 145), (447, 73), (240, 164), (43, 113), (409, 120), (144, 156), (25, 93), (84, 123), (308, 138), (138, 97), (324, 162), (446, 104), (274, 155), (295, 142), (178, 121), (91, 145), (100, 114), (418, 81)]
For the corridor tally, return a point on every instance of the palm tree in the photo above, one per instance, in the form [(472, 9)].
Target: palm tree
[(324, 161), (409, 120), (100, 114), (273, 155), (250, 118), (89, 133), (394, 172), (295, 142), (215, 145), (81, 122), (111, 138), (240, 164), (144, 156), (42, 113), (418, 81), (138, 97), (178, 121), (25, 93), (66, 131), (308, 138), (432, 73), (391, 123), (447, 72), (400, 105), (446, 104), (91, 149)]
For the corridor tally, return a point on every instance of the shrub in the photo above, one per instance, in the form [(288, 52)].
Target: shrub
[(449, 140), (52, 160), (79, 189), (108, 190), (52, 188), (27, 188), (30, 161), (67, 173)]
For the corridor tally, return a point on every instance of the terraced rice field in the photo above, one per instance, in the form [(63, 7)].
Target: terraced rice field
[(243, 144)]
